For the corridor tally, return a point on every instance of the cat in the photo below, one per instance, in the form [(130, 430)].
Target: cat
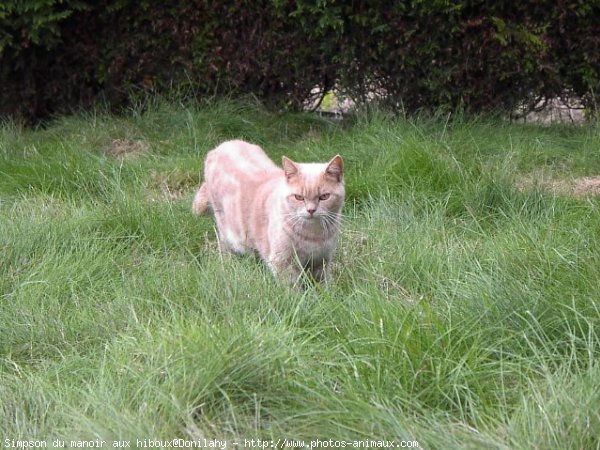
[(289, 216)]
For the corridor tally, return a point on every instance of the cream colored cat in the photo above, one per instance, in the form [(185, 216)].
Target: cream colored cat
[(291, 217)]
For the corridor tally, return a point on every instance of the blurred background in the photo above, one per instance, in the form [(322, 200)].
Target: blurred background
[(57, 56)]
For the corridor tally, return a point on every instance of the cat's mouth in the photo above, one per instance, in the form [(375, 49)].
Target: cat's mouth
[(308, 219), (312, 217)]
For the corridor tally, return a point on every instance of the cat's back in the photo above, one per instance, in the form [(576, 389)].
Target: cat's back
[(239, 178), (241, 161)]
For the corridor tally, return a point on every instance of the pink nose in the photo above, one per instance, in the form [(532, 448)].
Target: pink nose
[(311, 211)]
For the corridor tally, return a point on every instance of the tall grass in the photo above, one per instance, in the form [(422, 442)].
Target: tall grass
[(462, 311)]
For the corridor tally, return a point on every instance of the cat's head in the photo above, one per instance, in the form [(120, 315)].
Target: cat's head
[(315, 191)]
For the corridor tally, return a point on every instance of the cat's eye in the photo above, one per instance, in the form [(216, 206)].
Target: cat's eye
[(324, 196), (298, 197)]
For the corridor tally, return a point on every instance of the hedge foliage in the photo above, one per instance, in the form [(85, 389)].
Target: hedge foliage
[(57, 55)]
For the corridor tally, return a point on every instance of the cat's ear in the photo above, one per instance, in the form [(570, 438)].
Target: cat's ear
[(335, 168), (289, 167)]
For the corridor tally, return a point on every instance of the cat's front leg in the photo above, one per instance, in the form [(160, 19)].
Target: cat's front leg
[(318, 272), (289, 274), (286, 269)]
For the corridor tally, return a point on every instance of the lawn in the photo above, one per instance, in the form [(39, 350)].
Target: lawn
[(462, 311)]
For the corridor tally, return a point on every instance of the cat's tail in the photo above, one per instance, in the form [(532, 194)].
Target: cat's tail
[(200, 204)]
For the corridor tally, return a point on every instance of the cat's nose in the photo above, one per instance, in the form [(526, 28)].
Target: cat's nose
[(311, 211)]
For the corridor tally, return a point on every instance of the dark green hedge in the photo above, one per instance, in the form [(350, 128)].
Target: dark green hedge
[(59, 55), (474, 55)]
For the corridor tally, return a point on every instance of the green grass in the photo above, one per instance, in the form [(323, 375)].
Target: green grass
[(462, 311)]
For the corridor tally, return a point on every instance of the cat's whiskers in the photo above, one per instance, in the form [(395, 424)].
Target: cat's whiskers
[(334, 219), (343, 218), (326, 221), (294, 221)]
